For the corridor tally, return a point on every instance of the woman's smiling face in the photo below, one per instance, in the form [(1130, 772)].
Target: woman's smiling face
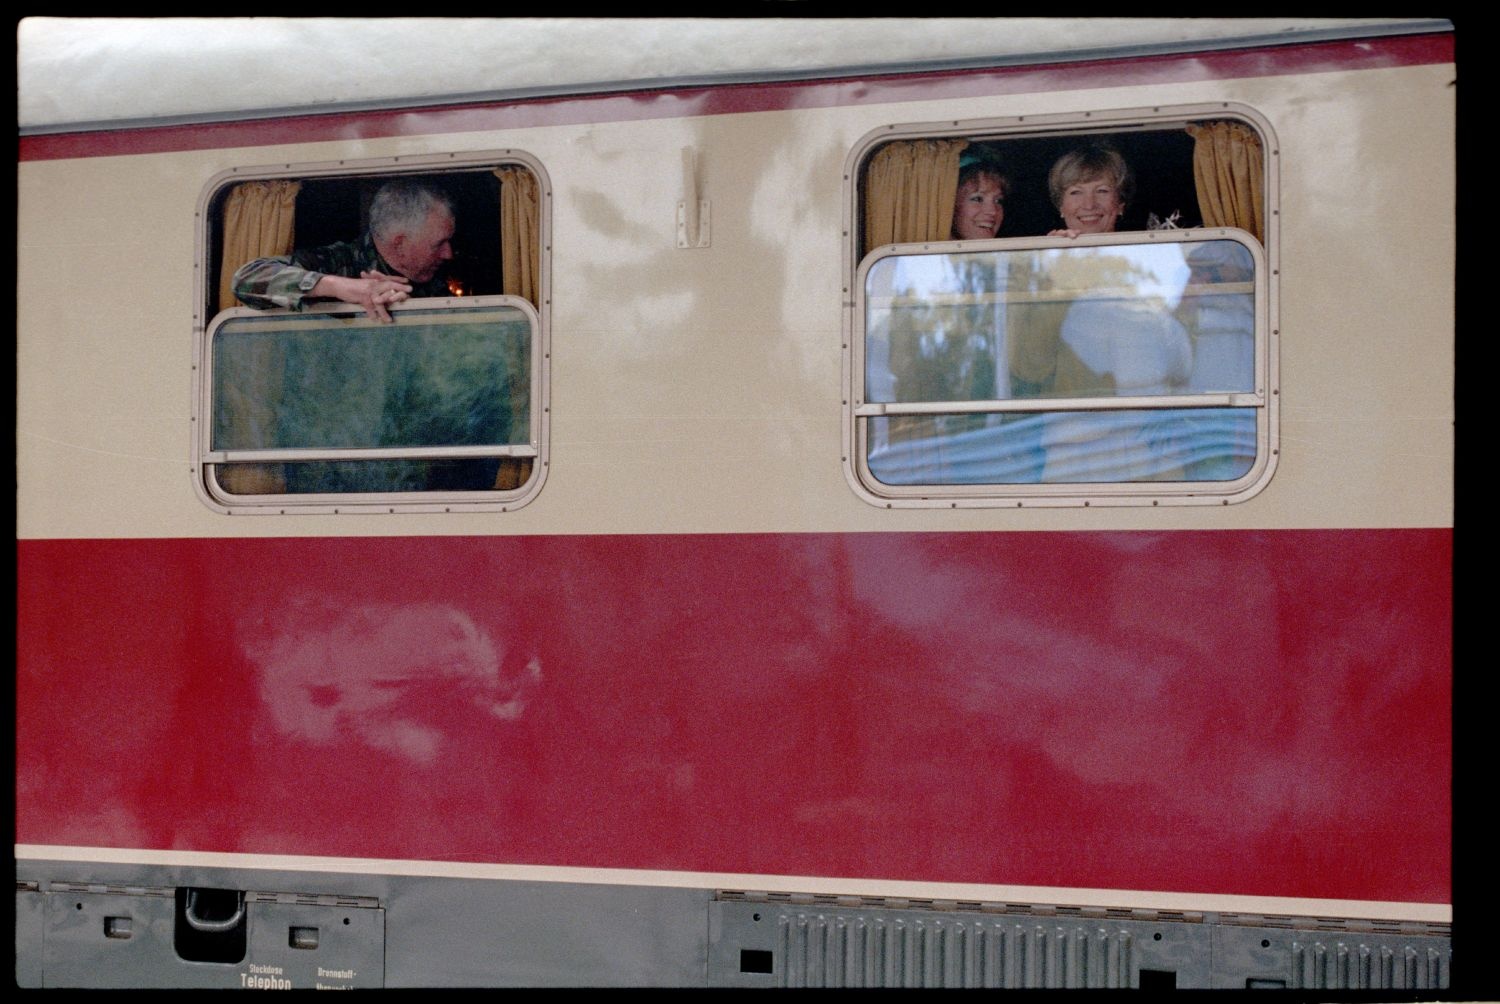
[(978, 209), (1092, 206)]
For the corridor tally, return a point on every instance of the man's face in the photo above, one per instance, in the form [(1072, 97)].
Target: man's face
[(419, 255)]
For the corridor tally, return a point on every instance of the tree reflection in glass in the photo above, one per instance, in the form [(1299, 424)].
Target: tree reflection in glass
[(1151, 321)]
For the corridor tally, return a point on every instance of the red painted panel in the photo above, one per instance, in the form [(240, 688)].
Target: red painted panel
[(1231, 712), (1374, 53)]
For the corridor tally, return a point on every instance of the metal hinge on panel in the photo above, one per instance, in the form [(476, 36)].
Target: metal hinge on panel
[(695, 223), (112, 889), (1414, 928), (314, 899), (692, 210)]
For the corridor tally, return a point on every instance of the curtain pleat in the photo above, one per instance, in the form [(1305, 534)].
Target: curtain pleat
[(520, 273), (259, 222), (909, 190), (520, 233), (1227, 168)]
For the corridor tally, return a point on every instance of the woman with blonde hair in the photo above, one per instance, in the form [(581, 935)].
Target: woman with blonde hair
[(1090, 186)]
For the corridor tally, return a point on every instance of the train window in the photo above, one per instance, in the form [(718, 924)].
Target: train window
[(1107, 362), (1100, 336), (337, 404), (320, 409)]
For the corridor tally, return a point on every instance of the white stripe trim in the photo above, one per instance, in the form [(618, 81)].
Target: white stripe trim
[(1436, 913)]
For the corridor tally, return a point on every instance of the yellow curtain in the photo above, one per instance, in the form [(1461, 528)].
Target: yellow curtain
[(520, 275), (259, 219), (1227, 168), (520, 233), (909, 190), (250, 412), (252, 479)]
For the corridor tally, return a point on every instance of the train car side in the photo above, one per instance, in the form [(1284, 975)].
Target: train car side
[(694, 710)]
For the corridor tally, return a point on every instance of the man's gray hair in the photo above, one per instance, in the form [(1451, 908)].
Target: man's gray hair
[(403, 205)]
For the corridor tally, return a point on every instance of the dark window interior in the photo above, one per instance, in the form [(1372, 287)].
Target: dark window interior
[(337, 209), (1161, 160)]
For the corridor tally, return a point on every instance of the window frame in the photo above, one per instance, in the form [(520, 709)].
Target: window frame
[(204, 458), (1080, 125)]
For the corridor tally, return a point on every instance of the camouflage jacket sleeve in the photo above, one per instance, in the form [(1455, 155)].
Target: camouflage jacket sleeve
[(286, 280)]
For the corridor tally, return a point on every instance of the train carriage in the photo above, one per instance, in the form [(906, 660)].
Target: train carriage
[(709, 590)]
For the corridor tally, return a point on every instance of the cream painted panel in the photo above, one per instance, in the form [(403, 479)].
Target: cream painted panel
[(698, 390), (1367, 298), (104, 259)]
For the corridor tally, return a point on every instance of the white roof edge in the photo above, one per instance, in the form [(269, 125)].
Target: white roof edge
[(78, 74)]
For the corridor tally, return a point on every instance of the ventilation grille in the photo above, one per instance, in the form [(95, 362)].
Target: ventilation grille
[(791, 940), (1341, 965), (875, 951)]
